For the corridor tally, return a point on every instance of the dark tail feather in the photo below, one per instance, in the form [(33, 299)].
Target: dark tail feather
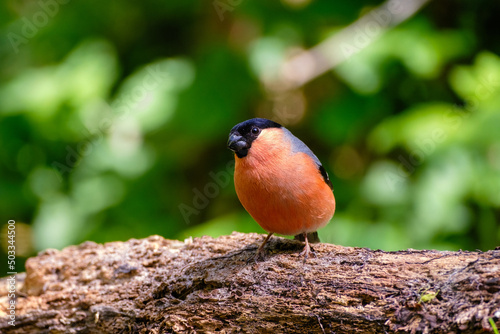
[(311, 237)]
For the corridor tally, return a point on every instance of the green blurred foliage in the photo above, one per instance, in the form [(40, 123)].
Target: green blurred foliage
[(114, 119)]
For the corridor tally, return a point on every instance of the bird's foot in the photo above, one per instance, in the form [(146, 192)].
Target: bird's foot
[(260, 254), (308, 250)]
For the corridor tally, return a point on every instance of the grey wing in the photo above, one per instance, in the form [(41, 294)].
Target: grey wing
[(299, 146)]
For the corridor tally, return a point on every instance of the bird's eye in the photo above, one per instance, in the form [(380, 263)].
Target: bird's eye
[(255, 130)]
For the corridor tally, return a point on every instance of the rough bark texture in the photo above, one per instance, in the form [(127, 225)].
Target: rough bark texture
[(206, 285)]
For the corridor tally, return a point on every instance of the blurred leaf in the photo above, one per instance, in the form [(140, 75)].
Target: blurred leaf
[(87, 73), (480, 83), (421, 129)]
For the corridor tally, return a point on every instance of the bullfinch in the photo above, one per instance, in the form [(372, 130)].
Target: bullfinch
[(280, 182)]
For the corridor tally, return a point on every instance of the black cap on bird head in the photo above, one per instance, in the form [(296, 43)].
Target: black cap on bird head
[(243, 134)]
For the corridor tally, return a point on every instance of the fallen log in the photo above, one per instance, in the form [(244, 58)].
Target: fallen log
[(206, 285)]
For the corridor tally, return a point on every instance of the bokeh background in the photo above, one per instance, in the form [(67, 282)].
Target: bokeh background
[(114, 116)]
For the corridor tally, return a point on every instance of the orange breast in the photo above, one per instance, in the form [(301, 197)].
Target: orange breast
[(283, 191)]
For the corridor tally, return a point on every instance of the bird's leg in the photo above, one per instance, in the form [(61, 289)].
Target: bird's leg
[(260, 251), (307, 249)]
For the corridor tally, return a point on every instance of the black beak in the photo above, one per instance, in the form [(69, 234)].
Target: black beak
[(238, 145)]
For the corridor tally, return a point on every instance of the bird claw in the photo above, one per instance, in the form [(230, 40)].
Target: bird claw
[(307, 250), (257, 256)]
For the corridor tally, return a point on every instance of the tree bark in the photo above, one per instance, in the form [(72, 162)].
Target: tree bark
[(206, 285)]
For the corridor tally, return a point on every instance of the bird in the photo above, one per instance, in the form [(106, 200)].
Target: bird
[(280, 182)]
